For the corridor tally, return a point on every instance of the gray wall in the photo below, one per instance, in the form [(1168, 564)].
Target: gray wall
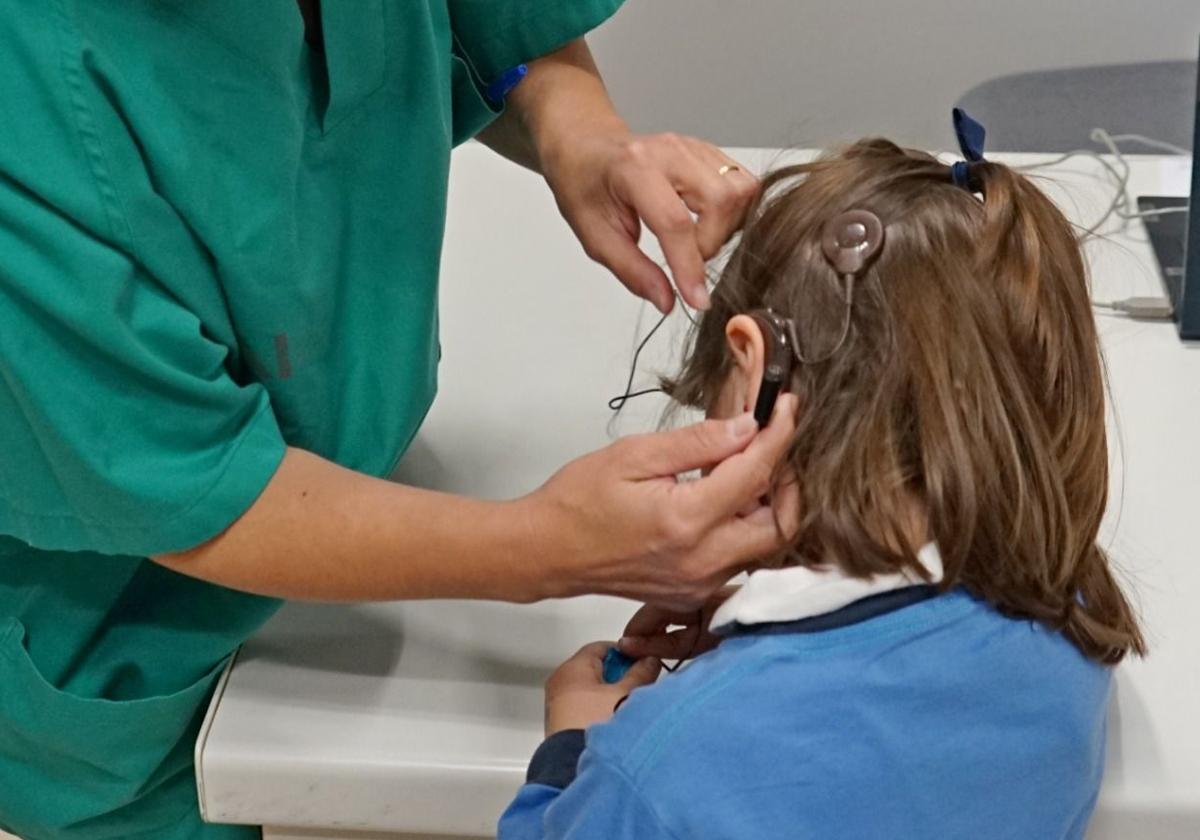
[(808, 73)]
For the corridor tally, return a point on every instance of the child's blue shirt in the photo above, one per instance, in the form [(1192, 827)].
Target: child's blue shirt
[(941, 719)]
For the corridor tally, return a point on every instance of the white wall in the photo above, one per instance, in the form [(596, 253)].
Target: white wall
[(805, 72)]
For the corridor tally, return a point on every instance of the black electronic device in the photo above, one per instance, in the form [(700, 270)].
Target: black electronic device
[(1175, 238)]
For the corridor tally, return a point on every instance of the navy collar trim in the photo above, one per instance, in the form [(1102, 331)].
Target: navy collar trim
[(856, 612)]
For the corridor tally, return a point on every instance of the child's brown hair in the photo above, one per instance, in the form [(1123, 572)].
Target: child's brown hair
[(970, 382)]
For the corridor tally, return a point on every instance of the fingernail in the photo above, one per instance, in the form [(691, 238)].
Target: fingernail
[(742, 426), (704, 300), (625, 641)]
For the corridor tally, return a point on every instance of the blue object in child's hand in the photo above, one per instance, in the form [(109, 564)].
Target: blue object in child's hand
[(616, 665)]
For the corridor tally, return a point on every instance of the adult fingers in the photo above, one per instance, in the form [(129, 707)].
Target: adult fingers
[(743, 542), (745, 476), (692, 447), (646, 633), (718, 189), (617, 250), (650, 620), (684, 643), (657, 203)]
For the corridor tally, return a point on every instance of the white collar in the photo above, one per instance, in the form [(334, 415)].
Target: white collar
[(800, 592)]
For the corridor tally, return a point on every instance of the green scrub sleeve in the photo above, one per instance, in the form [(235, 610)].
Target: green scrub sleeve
[(492, 36), (121, 431)]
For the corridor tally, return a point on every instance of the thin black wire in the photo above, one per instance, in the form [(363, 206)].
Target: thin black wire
[(618, 402)]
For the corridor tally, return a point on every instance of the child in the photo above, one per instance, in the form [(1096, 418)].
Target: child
[(931, 655)]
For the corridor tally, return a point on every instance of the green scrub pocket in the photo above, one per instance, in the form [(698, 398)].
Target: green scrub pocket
[(75, 767)]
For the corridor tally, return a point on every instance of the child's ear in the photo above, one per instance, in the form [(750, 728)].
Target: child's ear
[(747, 347)]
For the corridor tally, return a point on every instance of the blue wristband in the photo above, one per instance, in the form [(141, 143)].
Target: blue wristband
[(499, 90)]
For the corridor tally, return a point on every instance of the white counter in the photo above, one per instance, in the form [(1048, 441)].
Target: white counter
[(419, 717)]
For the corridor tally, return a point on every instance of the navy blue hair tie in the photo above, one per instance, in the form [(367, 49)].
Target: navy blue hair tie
[(971, 136)]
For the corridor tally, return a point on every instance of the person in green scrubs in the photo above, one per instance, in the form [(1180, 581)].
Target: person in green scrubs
[(220, 225)]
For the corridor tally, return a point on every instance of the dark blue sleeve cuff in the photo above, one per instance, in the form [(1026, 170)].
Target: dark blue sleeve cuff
[(555, 760)]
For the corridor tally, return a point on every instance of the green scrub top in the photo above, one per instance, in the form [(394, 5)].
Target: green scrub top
[(215, 240)]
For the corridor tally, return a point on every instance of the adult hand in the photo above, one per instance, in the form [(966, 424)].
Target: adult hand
[(577, 695), (607, 183), (619, 522), (648, 633)]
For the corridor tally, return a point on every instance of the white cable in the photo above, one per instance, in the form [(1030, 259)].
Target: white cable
[(1142, 308), (1169, 148), (1099, 135), (1120, 205), (1122, 179)]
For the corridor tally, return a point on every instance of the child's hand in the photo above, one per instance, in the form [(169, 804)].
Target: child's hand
[(577, 695), (646, 634)]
